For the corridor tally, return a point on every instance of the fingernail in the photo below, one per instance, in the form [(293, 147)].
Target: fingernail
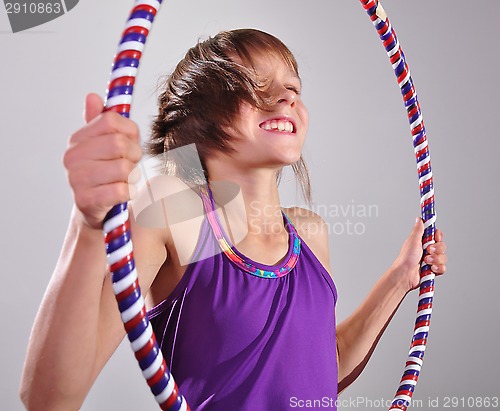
[(434, 268), (417, 220), (432, 249), (429, 259)]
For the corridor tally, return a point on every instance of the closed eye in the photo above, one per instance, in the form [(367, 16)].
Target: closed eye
[(294, 89)]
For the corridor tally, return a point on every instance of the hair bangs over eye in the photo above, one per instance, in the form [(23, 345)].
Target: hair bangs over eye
[(250, 45)]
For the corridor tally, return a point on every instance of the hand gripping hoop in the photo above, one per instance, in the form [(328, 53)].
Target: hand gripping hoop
[(117, 227)]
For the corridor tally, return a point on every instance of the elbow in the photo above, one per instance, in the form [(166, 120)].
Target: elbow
[(44, 398), (24, 395), (26, 391), (28, 398), (45, 403), (350, 365), (347, 373), (31, 399)]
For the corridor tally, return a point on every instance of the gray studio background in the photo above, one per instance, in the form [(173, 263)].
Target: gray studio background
[(358, 150)]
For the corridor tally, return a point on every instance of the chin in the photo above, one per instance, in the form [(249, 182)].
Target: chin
[(291, 159)]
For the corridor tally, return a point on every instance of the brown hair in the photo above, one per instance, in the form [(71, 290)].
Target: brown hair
[(203, 94)]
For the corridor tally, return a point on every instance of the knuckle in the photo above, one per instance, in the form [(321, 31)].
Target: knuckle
[(119, 145), (69, 156), (81, 200), (74, 137), (137, 153), (71, 179), (108, 120), (134, 130), (125, 168), (67, 159), (121, 192)]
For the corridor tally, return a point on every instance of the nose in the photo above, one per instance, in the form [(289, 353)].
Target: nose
[(287, 96)]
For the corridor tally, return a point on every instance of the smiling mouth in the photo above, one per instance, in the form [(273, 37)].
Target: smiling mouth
[(280, 125)]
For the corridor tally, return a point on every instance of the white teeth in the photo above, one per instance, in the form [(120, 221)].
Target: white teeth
[(278, 125)]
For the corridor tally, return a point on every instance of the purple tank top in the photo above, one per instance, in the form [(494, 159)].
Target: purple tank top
[(239, 335)]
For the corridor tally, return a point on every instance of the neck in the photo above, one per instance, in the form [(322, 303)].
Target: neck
[(250, 203)]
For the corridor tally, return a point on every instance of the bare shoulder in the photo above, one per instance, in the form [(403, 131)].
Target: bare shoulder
[(160, 191), (167, 218), (160, 204), (314, 231)]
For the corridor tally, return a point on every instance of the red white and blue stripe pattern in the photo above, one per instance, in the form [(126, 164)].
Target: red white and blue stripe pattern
[(117, 226), (414, 362)]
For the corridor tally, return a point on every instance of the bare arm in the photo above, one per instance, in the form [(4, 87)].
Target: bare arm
[(359, 334), (78, 325)]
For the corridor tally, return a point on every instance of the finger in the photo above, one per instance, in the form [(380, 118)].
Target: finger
[(93, 107), (107, 123), (438, 236), (111, 122), (97, 173), (108, 195), (110, 147), (438, 269), (119, 146), (418, 227), (436, 259), (436, 248)]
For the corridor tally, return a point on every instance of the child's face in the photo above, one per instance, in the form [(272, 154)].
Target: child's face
[(274, 137)]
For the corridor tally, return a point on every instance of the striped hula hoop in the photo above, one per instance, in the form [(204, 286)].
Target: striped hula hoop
[(116, 227), (414, 362)]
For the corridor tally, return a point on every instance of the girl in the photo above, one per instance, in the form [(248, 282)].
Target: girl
[(247, 320)]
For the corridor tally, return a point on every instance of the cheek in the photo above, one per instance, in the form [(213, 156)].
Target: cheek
[(304, 115), (246, 119), (245, 109)]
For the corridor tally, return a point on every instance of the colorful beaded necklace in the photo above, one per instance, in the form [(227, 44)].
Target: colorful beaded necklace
[(243, 262)]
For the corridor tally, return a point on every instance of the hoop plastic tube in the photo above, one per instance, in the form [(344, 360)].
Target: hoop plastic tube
[(404, 393), (117, 226)]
